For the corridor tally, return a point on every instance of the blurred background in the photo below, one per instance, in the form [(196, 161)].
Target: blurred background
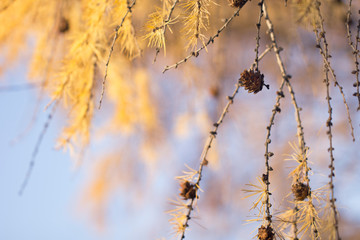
[(116, 178)]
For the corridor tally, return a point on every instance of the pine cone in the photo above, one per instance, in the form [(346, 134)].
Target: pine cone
[(265, 233), (187, 190), (252, 81), (300, 191)]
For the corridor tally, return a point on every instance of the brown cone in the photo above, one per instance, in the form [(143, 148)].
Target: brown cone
[(300, 191), (265, 233), (187, 190), (252, 81)]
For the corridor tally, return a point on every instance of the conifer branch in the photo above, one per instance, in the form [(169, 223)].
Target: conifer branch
[(356, 60), (36, 149), (276, 109), (266, 176), (300, 130), (330, 150), (196, 20), (348, 30), (211, 40), (165, 24), (208, 144), (285, 79), (355, 51), (325, 53), (258, 26), (112, 49)]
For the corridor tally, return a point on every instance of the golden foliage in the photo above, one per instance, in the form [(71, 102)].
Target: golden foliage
[(329, 223), (196, 21), (306, 217), (132, 98), (300, 172), (304, 214), (156, 26), (260, 191), (127, 39), (22, 15), (178, 216), (77, 78)]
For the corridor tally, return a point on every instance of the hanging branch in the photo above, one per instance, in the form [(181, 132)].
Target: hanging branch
[(348, 30), (211, 39), (112, 49), (356, 60), (355, 51), (192, 189), (286, 78), (276, 108), (266, 176), (330, 150), (324, 52), (36, 149), (164, 27), (300, 130), (258, 25)]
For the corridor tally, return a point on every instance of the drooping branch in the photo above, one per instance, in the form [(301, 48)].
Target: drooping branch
[(325, 53), (355, 51), (112, 49), (207, 146), (167, 20), (36, 149), (300, 130), (211, 39)]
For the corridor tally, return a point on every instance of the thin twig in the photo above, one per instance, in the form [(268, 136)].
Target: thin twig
[(355, 51), (211, 40), (266, 176), (164, 26), (331, 150), (300, 130), (19, 87), (258, 26), (112, 49), (210, 139), (324, 52), (36, 149), (356, 58), (286, 78), (348, 30)]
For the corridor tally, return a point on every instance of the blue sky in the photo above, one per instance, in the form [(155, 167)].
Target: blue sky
[(46, 209)]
